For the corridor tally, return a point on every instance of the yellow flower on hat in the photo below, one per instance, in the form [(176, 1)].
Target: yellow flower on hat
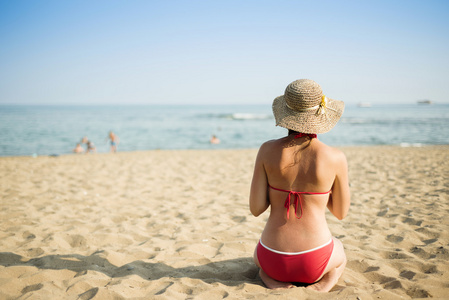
[(322, 109)]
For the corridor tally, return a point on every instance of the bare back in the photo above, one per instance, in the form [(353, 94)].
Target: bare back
[(301, 166)]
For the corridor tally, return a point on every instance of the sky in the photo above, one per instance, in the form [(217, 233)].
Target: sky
[(221, 52)]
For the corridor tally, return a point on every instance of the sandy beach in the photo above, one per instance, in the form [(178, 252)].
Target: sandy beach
[(176, 225)]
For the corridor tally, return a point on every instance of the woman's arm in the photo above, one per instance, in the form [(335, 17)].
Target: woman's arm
[(258, 197), (340, 198)]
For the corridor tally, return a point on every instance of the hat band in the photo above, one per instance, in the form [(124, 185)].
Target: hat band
[(320, 108), (303, 109)]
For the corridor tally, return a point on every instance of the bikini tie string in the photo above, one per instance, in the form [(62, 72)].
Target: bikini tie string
[(288, 202)]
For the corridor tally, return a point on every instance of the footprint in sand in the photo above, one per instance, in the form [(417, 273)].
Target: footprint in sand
[(430, 241), (421, 253), (76, 240), (407, 274), (394, 238), (416, 292), (395, 255), (395, 284), (412, 221), (28, 235), (89, 294), (372, 269), (32, 288)]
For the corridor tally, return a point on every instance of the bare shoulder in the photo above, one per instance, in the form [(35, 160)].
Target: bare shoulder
[(269, 146), (271, 143), (331, 154)]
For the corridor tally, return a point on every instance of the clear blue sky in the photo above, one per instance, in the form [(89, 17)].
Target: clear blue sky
[(201, 52)]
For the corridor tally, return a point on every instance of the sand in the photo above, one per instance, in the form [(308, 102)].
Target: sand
[(176, 225)]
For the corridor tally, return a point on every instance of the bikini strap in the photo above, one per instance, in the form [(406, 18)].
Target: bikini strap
[(298, 198)]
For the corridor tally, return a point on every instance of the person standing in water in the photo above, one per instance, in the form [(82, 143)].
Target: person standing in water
[(298, 176), (114, 141)]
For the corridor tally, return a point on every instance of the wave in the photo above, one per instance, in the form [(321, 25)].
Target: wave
[(238, 116), (391, 121), (247, 116)]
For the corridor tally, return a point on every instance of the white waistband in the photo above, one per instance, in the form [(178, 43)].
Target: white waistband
[(294, 253)]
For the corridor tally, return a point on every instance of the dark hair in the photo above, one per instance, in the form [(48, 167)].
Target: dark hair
[(290, 131)]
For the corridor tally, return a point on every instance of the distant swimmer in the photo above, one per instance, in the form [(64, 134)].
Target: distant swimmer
[(214, 140), (91, 147), (114, 141), (78, 149)]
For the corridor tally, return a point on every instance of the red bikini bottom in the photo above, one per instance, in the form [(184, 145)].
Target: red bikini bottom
[(306, 266)]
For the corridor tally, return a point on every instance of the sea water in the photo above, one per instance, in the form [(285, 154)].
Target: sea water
[(54, 130)]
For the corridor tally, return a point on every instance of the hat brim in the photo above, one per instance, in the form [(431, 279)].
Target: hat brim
[(308, 121)]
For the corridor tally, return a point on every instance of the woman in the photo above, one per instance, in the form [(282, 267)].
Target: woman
[(299, 176)]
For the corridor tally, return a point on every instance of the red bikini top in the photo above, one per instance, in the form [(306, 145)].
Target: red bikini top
[(298, 198)]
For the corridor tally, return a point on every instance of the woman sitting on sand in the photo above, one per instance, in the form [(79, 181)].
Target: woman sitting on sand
[(299, 176)]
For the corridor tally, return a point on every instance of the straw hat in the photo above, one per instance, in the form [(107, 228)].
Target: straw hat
[(304, 108)]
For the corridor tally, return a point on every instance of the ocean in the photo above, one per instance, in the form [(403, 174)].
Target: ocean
[(55, 130)]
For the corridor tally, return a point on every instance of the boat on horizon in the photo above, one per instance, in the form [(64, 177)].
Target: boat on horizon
[(427, 102), (364, 104)]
